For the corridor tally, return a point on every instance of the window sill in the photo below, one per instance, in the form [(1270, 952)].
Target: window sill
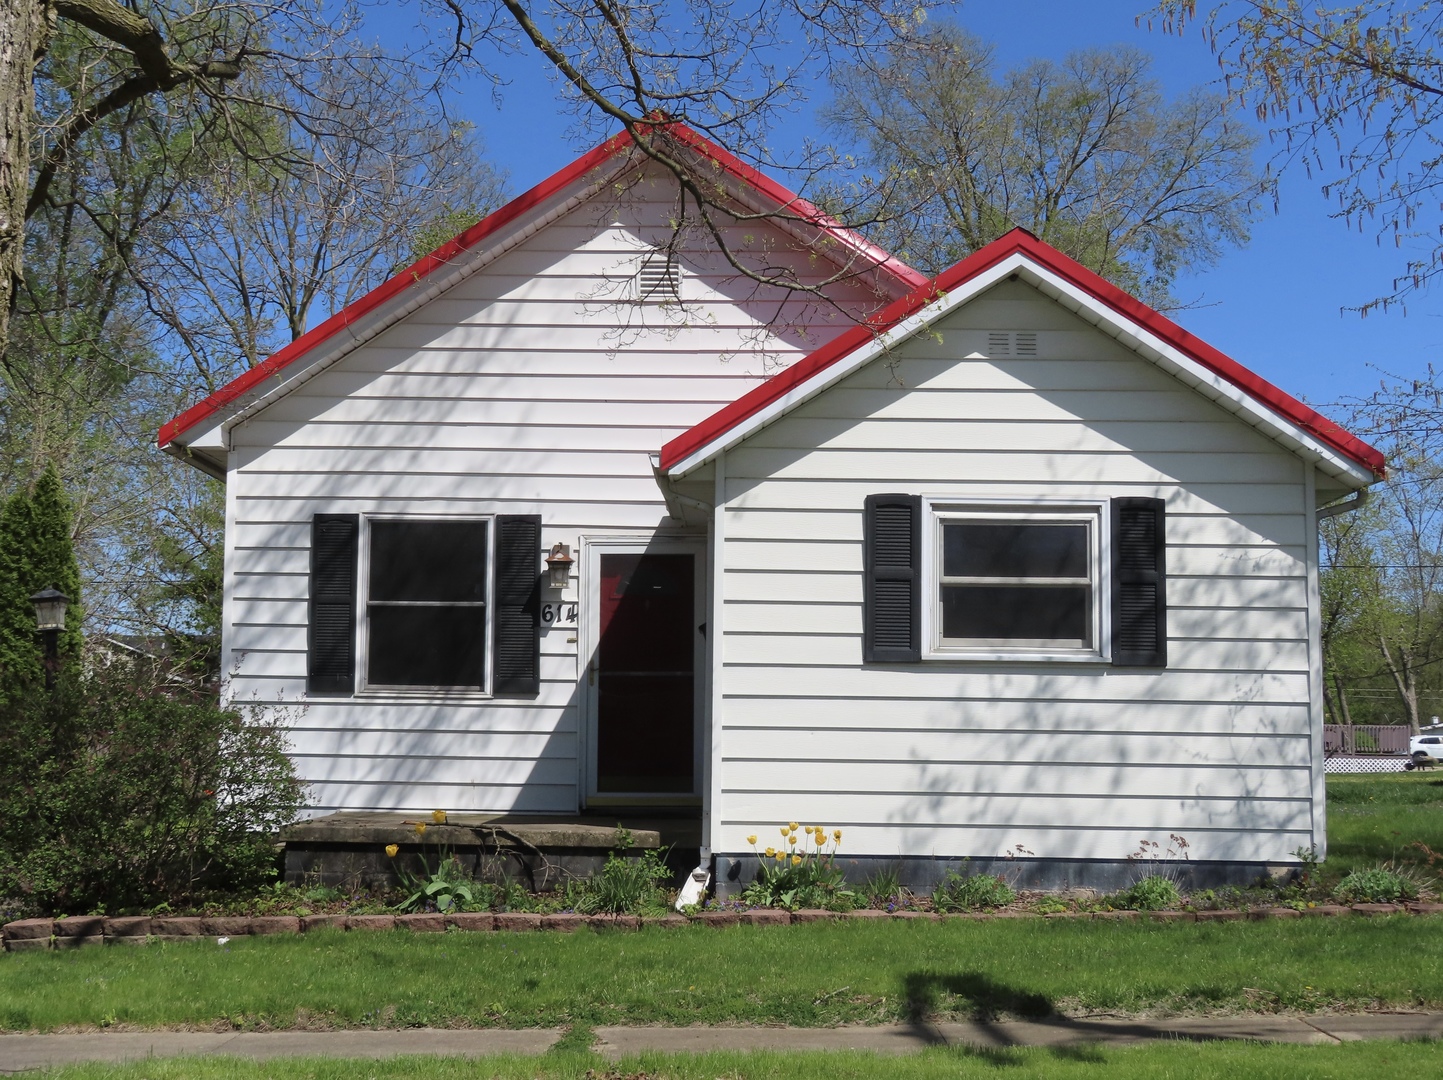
[(1018, 656), (402, 695)]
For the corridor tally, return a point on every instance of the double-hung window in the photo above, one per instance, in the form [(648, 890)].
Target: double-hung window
[(426, 603), (1015, 580)]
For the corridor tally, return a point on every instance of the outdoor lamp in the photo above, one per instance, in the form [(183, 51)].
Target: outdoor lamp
[(50, 607), (558, 566)]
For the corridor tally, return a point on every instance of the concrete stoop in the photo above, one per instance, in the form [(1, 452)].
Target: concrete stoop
[(80, 930)]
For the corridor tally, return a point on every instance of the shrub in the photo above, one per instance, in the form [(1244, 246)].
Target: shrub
[(116, 794), (1379, 885), (958, 893), (623, 886), (1152, 893)]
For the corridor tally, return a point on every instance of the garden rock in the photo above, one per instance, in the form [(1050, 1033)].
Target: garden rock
[(762, 916), (1327, 909), (30, 930), (275, 924), (482, 921), (127, 930), (867, 914), (805, 915), (371, 922), (615, 922), (518, 920), (565, 924), (1219, 916), (226, 926), (322, 922), (175, 928), (422, 923), (719, 919), (1376, 909)]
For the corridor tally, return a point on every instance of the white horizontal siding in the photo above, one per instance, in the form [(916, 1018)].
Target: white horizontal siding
[(957, 758), (526, 388)]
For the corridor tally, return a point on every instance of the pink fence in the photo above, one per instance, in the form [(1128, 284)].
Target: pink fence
[(1352, 739)]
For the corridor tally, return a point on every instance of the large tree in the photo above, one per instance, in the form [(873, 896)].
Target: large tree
[(724, 68), (1354, 95), (1086, 153)]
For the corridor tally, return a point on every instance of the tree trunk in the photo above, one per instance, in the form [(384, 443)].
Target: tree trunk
[(1405, 678), (24, 36), (1347, 714)]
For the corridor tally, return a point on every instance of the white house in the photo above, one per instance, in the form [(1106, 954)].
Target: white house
[(1000, 565)]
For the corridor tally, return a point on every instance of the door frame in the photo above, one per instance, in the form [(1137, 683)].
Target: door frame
[(589, 633)]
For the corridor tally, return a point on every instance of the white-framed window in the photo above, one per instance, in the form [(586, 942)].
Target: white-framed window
[(425, 611), (1014, 581)]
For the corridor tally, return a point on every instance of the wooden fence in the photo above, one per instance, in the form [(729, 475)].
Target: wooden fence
[(1353, 739)]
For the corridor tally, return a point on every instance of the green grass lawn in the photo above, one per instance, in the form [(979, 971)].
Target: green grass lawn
[(811, 974), (1166, 1061), (1378, 817)]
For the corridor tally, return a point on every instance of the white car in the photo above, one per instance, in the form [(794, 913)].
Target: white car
[(1429, 742)]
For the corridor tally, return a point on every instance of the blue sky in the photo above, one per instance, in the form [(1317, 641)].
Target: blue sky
[(1275, 306)]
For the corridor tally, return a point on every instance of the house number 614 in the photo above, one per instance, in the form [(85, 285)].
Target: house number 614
[(558, 614)]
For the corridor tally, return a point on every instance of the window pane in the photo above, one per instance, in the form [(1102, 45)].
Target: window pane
[(426, 646), (428, 560), (1015, 613), (1013, 549)]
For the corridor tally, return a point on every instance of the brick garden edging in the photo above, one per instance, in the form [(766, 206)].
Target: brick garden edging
[(80, 930)]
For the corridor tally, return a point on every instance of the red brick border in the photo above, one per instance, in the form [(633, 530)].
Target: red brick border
[(29, 934)]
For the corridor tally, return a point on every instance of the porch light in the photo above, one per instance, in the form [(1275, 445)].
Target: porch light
[(50, 605), (558, 566)]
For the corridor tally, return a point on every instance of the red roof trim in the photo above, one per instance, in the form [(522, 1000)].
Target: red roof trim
[(1048, 257), (417, 272)]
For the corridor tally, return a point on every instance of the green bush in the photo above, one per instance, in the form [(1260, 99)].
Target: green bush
[(117, 793), (958, 893), (623, 886), (1152, 893), (1378, 885)]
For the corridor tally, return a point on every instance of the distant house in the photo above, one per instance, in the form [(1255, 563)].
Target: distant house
[(1000, 565)]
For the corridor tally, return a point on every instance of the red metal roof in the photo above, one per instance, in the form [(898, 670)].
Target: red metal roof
[(795, 207), (1049, 258)]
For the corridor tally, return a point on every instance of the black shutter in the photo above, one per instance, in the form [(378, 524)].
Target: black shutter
[(331, 644), (1139, 583), (517, 621), (892, 593)]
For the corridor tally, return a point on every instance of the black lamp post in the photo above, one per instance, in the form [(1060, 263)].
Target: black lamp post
[(50, 607)]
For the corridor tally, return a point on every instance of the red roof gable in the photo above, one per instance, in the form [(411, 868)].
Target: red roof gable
[(795, 207), (1048, 257)]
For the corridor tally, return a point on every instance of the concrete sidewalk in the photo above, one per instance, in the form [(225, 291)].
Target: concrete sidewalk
[(22, 1052)]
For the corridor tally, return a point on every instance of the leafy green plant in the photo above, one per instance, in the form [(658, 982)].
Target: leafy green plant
[(1049, 905), (882, 887), (447, 888), (1387, 884), (801, 872), (958, 893), (623, 886), (117, 790), (1152, 893)]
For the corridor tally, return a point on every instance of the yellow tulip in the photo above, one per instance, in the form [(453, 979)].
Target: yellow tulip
[(791, 839), (793, 827), (781, 855), (771, 852), (785, 830), (420, 828), (796, 860), (392, 849), (837, 835), (438, 816), (752, 840)]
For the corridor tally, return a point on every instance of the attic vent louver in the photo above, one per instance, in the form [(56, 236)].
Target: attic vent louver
[(1002, 343), (659, 279)]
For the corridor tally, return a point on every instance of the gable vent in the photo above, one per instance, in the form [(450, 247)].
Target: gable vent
[(1002, 343), (659, 279)]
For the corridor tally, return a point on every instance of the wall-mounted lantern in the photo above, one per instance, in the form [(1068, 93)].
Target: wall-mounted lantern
[(558, 566), (50, 605)]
